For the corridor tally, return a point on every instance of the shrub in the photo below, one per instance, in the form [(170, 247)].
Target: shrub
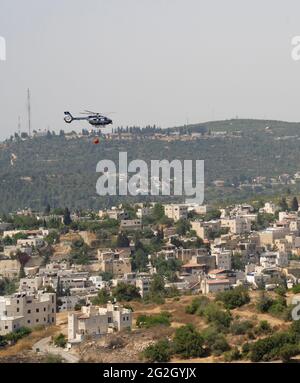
[(241, 327), (197, 305), (51, 358), (232, 355), (216, 316), (125, 292), (269, 348), (158, 352), (148, 321), (60, 340), (264, 303), (188, 342), (296, 289), (215, 341), (17, 335), (102, 297), (234, 298), (264, 327), (288, 351)]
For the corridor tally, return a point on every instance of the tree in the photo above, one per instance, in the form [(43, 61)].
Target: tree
[(288, 351), (102, 297), (140, 260), (283, 204), (188, 342), (218, 317), (182, 226), (22, 272), (157, 286), (264, 303), (295, 205), (60, 340), (67, 217), (159, 352), (125, 292), (122, 240), (234, 298), (47, 209)]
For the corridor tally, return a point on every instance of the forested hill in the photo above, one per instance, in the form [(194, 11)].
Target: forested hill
[(61, 171)]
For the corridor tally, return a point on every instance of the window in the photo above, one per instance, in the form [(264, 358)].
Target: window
[(28, 321), (6, 327), (37, 310), (44, 308), (37, 320), (28, 311), (18, 309)]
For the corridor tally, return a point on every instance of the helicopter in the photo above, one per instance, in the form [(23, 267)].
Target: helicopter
[(93, 118)]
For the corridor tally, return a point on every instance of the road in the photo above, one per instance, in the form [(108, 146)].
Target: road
[(44, 346)]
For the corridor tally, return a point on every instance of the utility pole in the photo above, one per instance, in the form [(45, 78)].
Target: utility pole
[(19, 126), (29, 112)]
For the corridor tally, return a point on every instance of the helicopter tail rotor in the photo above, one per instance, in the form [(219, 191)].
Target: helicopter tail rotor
[(68, 117)]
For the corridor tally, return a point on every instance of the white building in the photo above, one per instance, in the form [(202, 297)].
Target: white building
[(223, 259), (93, 320), (26, 310), (176, 211), (269, 208), (237, 225)]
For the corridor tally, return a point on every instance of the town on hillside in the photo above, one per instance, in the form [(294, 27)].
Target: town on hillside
[(132, 281)]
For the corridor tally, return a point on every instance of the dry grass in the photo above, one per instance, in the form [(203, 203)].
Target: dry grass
[(27, 343)]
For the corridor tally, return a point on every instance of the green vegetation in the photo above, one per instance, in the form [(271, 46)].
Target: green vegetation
[(188, 342), (215, 342), (234, 298), (125, 292), (276, 307), (60, 340), (58, 163), (197, 306), (240, 327), (147, 321), (102, 297), (159, 352), (7, 286), (51, 358), (13, 337)]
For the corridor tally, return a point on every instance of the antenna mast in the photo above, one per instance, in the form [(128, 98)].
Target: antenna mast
[(29, 112), (19, 126)]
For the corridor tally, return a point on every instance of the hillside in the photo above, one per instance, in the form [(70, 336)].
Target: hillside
[(62, 171)]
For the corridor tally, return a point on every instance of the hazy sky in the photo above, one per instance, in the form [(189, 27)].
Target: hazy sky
[(150, 61)]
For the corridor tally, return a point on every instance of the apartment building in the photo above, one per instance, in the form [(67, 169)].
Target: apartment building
[(268, 236), (176, 211), (94, 320), (237, 225), (214, 285), (223, 259), (203, 229), (26, 310), (113, 262), (131, 224), (143, 284)]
